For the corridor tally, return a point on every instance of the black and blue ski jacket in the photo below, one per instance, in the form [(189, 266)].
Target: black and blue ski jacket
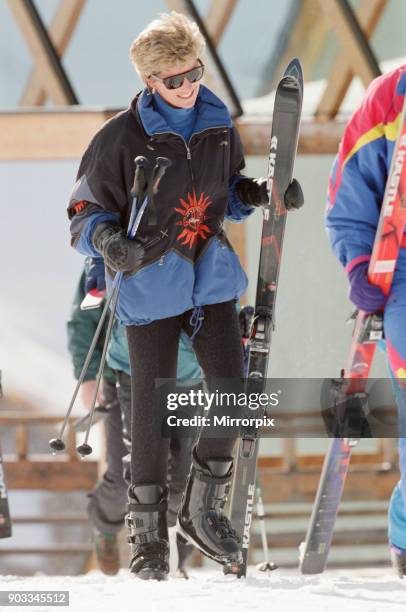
[(188, 262)]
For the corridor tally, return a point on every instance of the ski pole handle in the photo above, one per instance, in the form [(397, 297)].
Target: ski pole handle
[(139, 177), (138, 192), (162, 163)]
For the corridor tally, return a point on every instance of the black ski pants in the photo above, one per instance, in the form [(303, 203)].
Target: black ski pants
[(153, 350), (107, 501), (180, 450)]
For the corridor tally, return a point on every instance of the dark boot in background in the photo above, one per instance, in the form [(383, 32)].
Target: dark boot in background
[(107, 552), (398, 558)]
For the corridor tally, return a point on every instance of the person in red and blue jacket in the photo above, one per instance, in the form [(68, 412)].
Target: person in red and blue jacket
[(356, 190), (180, 273)]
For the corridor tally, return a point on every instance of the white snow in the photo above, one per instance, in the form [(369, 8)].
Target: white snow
[(208, 590)]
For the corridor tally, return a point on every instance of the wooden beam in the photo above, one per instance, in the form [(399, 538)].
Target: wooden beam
[(61, 30), (51, 475), (306, 40), (50, 135), (303, 514), (65, 134), (57, 551), (56, 518), (292, 539), (42, 51), (341, 74), (352, 39), (22, 441), (364, 485), (19, 417), (372, 462), (217, 18), (314, 138)]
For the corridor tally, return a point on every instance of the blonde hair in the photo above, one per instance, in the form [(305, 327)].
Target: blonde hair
[(169, 40)]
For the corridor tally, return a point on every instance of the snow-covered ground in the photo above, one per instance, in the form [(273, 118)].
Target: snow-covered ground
[(209, 591)]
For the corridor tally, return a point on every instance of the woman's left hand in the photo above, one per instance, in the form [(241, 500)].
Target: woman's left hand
[(254, 192), (293, 197)]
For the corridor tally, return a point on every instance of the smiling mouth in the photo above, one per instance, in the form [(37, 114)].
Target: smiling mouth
[(187, 97)]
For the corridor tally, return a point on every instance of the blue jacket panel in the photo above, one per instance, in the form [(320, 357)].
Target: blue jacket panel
[(358, 178)]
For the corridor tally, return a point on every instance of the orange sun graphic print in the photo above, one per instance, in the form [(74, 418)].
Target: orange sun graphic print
[(193, 213)]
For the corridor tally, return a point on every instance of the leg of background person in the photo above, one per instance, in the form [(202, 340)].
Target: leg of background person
[(107, 501), (395, 334), (124, 398)]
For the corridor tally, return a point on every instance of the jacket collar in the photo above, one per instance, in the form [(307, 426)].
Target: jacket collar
[(211, 113)]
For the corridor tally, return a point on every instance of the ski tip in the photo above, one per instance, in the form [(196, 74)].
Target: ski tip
[(294, 69)]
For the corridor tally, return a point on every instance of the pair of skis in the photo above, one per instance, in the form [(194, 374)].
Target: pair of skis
[(352, 385), (284, 138), (5, 520)]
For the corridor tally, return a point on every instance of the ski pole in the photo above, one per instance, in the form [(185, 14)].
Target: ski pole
[(138, 190), (162, 163), (266, 565)]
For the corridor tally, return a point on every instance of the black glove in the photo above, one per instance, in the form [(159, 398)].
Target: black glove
[(253, 192), (120, 253), (293, 197)]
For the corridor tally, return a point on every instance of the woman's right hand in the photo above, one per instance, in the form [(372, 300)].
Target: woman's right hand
[(120, 253)]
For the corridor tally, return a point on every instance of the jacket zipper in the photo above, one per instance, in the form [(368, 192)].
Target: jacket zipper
[(224, 144), (187, 147), (189, 159)]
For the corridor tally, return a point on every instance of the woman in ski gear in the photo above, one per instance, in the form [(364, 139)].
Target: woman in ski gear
[(356, 191), (180, 273)]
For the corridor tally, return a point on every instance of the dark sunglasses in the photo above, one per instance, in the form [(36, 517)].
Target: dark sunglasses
[(175, 81)]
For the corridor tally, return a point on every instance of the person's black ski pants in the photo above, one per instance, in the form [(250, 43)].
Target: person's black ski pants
[(153, 350)]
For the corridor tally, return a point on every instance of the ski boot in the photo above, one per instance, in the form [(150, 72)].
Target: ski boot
[(148, 537), (201, 520), (398, 558), (107, 554)]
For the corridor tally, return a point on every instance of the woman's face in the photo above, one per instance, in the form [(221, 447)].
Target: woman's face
[(183, 97)]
